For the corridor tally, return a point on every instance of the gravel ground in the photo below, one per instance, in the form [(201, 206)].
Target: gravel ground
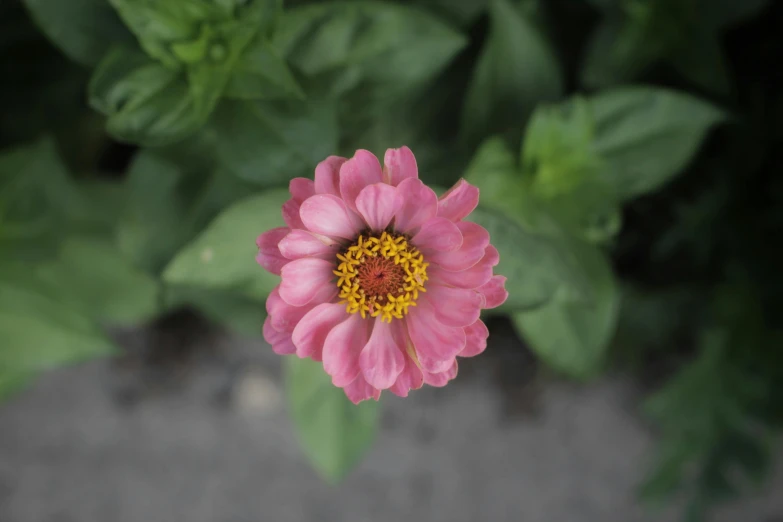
[(199, 432)]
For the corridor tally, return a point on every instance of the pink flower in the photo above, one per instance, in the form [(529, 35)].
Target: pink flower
[(381, 281)]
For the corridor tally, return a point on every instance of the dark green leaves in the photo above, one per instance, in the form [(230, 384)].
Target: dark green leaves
[(40, 329), (145, 102), (269, 143), (223, 256), (647, 135), (82, 29), (377, 48), (572, 336), (333, 432), (261, 73), (516, 70)]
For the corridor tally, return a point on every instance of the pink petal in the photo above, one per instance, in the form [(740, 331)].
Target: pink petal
[(285, 317), (399, 164), (310, 333), (377, 203), (327, 215), (459, 201), (303, 278), (290, 213), (269, 255), (476, 339), (473, 277), (356, 173), (411, 378), (475, 240), (342, 348), (418, 203), (281, 342), (301, 243), (327, 176), (438, 234), (359, 390), (301, 189), (435, 343), (382, 358), (441, 379), (494, 292), (454, 306)]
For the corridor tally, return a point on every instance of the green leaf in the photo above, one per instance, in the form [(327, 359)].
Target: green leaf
[(233, 310), (646, 136), (573, 337), (11, 383), (379, 49), (270, 143), (516, 70), (460, 12), (334, 433), (223, 256), (261, 73), (537, 266), (82, 29), (37, 201), (145, 102), (39, 327), (153, 224), (101, 282)]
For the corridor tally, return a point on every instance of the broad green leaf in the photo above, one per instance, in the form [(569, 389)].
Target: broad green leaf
[(82, 29), (145, 102), (12, 382), (573, 337), (270, 143), (37, 201), (516, 70), (334, 433), (223, 256), (232, 310), (537, 266), (189, 31), (461, 12), (646, 136), (495, 171), (101, 282), (153, 224), (377, 48), (39, 326), (261, 73)]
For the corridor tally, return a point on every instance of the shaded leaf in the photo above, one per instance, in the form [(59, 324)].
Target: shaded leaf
[(377, 48), (334, 433), (144, 102), (82, 29), (261, 73), (573, 337), (270, 143), (516, 70), (232, 310), (101, 282), (223, 256)]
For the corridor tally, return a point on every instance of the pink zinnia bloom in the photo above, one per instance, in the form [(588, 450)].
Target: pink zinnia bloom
[(381, 281)]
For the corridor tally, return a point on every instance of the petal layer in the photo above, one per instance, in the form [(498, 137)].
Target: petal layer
[(342, 348), (418, 203), (399, 164), (302, 243), (303, 279), (269, 255), (311, 331), (459, 201), (327, 176), (377, 204), (327, 215), (435, 343), (356, 173), (475, 240), (382, 358)]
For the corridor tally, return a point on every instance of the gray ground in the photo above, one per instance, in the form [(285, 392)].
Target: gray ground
[(109, 443)]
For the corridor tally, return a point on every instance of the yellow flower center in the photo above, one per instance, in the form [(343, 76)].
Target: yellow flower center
[(381, 276)]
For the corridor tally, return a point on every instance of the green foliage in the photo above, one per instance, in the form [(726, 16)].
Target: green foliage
[(82, 29), (334, 433), (374, 49), (627, 237), (516, 70), (222, 256)]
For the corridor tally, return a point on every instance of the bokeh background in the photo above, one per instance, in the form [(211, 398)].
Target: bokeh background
[(627, 156)]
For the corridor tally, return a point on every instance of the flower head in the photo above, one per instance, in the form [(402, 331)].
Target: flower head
[(382, 281)]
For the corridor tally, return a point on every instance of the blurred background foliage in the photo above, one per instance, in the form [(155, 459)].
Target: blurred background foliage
[(626, 152)]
